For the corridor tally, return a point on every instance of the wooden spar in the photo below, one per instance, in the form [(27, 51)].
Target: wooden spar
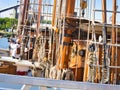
[(39, 15), (104, 21), (19, 21), (70, 7), (25, 9), (26, 12), (65, 47), (104, 34), (113, 40), (51, 44), (22, 20), (35, 51), (24, 17), (54, 14)]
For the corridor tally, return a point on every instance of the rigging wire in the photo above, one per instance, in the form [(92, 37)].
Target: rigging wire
[(86, 72)]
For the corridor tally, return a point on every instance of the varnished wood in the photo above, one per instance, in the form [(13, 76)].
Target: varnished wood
[(113, 34), (64, 49), (39, 15)]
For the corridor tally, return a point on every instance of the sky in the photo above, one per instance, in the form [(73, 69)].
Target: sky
[(5, 4), (109, 7), (8, 3)]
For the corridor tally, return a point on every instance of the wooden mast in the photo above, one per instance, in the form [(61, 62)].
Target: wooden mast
[(39, 15), (51, 42), (24, 11), (54, 14), (104, 21), (104, 34), (65, 47), (23, 30), (23, 16), (113, 40), (35, 51)]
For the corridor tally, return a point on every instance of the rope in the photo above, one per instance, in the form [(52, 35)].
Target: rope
[(94, 38), (86, 73), (79, 33)]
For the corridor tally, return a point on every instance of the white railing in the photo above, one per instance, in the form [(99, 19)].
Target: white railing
[(28, 82)]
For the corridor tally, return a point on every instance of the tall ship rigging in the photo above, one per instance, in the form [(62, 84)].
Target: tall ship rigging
[(63, 40)]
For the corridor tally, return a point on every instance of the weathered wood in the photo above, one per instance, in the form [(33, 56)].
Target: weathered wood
[(104, 35), (65, 48), (113, 38), (54, 13), (56, 83), (39, 15)]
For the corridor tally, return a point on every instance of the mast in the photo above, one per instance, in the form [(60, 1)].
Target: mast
[(54, 14), (113, 39), (39, 14), (51, 42), (35, 51), (104, 33), (23, 15), (23, 29), (66, 39)]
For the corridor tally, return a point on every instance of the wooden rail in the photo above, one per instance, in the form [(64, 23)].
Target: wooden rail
[(28, 82)]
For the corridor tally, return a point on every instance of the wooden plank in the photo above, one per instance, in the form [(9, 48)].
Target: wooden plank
[(56, 83), (113, 38)]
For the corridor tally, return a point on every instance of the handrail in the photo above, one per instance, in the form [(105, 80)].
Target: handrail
[(43, 82)]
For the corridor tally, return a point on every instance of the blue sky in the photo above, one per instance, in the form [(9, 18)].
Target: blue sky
[(5, 4), (109, 7)]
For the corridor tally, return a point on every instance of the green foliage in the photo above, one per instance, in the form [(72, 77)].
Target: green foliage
[(6, 23), (46, 21)]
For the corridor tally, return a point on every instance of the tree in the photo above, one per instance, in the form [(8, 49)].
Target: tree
[(6, 23)]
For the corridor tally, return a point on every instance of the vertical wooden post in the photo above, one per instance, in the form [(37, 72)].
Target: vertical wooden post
[(24, 17), (19, 18), (104, 34), (65, 47), (54, 13), (25, 11), (35, 51), (39, 15), (113, 40)]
